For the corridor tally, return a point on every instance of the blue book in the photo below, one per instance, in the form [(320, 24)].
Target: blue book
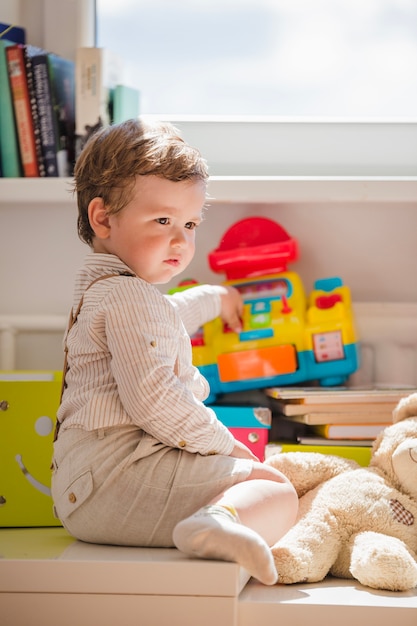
[(14, 33)]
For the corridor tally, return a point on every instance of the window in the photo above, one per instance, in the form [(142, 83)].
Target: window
[(288, 58)]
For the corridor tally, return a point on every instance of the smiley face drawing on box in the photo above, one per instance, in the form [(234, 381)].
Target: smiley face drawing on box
[(43, 427), (28, 406)]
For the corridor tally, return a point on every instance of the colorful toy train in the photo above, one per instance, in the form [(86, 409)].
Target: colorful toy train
[(287, 338)]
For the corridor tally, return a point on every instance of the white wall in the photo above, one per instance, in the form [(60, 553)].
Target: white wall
[(58, 25), (370, 245)]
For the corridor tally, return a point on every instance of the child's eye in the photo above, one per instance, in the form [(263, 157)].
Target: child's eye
[(162, 220), (191, 225)]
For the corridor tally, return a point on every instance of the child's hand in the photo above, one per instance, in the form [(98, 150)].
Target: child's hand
[(240, 451), (231, 308)]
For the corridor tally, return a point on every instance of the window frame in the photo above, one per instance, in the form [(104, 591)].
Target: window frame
[(251, 146)]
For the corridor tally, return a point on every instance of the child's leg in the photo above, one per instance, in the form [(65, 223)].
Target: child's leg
[(242, 523)]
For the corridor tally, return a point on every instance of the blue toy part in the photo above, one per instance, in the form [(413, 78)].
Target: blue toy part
[(328, 284)]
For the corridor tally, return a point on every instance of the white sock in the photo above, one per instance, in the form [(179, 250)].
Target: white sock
[(214, 532)]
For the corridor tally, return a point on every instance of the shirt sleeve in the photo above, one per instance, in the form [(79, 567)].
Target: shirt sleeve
[(152, 365), (197, 305)]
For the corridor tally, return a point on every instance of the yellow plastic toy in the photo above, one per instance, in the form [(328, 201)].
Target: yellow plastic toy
[(287, 337)]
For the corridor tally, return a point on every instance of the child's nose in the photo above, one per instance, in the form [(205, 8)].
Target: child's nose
[(179, 237)]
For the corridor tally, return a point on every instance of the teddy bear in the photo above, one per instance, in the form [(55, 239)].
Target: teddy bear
[(355, 522)]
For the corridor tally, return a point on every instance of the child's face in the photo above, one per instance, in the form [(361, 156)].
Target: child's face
[(155, 233)]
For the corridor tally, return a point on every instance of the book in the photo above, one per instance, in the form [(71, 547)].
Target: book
[(333, 395), (33, 102), (360, 454), (295, 409), (62, 73), (297, 401), (125, 103), (9, 144), (14, 33), (97, 72), (23, 110), (346, 416), (322, 441), (45, 108), (349, 431)]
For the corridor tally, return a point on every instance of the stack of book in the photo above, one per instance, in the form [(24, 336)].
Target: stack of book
[(324, 418), (49, 106), (37, 108)]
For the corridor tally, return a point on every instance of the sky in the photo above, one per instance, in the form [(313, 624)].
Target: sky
[(290, 58)]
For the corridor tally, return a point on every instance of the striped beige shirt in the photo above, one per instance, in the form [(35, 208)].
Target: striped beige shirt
[(130, 360)]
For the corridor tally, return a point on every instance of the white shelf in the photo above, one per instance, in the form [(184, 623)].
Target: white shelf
[(43, 191), (85, 583), (316, 189), (240, 189)]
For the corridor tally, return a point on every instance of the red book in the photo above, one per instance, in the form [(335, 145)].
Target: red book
[(22, 109)]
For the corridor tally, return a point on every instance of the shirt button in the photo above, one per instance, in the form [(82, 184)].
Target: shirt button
[(72, 497), (182, 444)]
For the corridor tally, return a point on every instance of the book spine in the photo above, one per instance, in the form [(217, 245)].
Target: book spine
[(348, 431), (97, 71), (91, 103), (343, 417), (62, 73), (43, 94), (34, 111), (125, 103), (22, 110), (9, 145)]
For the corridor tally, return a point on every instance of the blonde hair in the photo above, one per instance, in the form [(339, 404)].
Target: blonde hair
[(114, 156)]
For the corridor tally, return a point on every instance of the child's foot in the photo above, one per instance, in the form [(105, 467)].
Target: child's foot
[(214, 532)]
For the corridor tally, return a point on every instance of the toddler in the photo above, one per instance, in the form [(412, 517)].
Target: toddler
[(139, 460)]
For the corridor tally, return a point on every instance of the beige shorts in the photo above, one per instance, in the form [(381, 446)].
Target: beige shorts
[(120, 486)]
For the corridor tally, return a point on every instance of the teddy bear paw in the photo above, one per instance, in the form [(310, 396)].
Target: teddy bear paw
[(386, 569), (406, 407), (297, 567)]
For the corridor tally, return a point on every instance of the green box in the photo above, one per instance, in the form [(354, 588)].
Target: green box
[(28, 404)]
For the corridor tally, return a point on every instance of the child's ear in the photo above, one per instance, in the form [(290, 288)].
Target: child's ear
[(99, 219)]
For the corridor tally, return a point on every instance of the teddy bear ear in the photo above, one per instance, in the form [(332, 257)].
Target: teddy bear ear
[(407, 407)]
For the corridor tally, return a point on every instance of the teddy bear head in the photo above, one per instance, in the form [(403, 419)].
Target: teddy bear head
[(395, 449)]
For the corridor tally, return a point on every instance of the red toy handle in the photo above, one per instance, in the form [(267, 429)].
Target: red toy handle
[(253, 247)]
